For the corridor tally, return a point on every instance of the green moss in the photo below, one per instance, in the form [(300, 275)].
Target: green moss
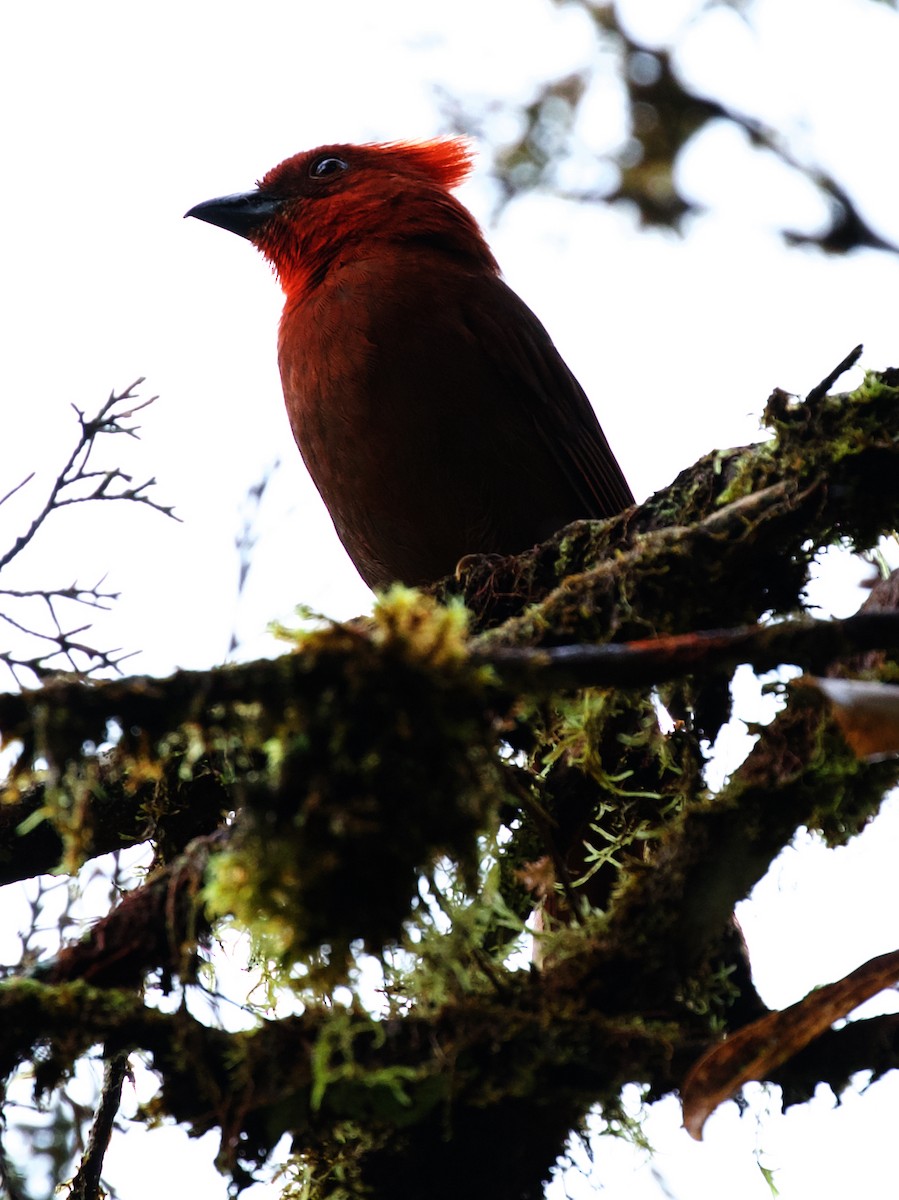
[(390, 766)]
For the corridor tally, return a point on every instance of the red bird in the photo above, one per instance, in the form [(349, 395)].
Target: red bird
[(432, 410)]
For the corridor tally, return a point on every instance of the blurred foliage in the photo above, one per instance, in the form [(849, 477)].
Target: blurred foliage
[(662, 111)]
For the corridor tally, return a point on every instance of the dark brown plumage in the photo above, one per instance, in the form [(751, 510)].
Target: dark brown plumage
[(433, 411)]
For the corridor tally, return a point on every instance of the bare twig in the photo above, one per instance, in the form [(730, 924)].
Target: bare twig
[(86, 1184), (75, 471), (76, 483), (90, 596), (12, 491), (820, 390)]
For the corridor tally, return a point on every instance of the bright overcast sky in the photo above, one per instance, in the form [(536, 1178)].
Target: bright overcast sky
[(119, 117)]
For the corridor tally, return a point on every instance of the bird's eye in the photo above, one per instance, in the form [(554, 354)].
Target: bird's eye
[(327, 164)]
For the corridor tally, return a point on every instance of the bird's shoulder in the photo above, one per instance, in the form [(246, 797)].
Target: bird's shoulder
[(402, 318)]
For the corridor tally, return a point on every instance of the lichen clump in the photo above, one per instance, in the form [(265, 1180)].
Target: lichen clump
[(385, 764)]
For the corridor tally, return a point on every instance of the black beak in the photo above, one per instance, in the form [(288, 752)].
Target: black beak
[(242, 213)]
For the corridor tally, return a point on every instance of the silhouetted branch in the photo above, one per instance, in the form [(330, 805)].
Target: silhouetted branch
[(107, 420), (62, 647), (809, 644), (86, 1184)]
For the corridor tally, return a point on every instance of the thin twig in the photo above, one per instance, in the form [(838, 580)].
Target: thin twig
[(75, 470), (12, 491), (86, 1184), (820, 390), (90, 596), (75, 484)]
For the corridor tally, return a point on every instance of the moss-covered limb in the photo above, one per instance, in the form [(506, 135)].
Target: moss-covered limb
[(514, 1083), (67, 1020), (836, 456), (52, 1026), (807, 643), (498, 590), (58, 719), (835, 1057), (157, 926), (170, 810), (800, 773), (191, 714), (322, 877), (677, 860), (362, 757), (357, 762), (477, 1081), (680, 578), (327, 853)]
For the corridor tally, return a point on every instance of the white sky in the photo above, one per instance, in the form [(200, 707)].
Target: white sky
[(120, 117)]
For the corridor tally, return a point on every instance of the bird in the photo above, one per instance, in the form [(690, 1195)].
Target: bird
[(433, 411)]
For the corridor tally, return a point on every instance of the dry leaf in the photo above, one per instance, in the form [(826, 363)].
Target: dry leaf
[(539, 877), (866, 712)]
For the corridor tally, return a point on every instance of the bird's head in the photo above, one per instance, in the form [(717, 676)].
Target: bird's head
[(337, 202)]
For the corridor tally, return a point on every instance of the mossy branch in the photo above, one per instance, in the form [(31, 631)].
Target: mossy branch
[(376, 751), (758, 514)]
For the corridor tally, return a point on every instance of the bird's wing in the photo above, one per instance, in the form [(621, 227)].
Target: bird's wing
[(523, 353)]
